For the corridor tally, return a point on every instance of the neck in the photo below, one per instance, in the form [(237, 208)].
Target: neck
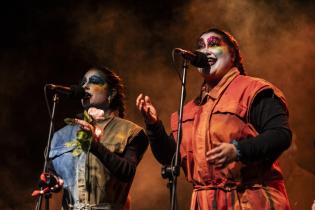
[(209, 84)]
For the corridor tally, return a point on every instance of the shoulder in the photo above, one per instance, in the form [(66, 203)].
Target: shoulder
[(120, 122), (252, 86), (246, 89), (124, 127), (243, 81), (63, 135)]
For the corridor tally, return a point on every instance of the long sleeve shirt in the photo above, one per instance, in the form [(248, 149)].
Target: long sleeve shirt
[(268, 116)]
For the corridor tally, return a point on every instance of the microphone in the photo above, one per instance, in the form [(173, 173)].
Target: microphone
[(196, 58), (74, 91)]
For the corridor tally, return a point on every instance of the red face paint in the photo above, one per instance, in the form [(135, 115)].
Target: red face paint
[(213, 41)]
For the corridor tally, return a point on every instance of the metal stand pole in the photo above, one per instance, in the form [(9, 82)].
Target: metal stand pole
[(51, 128), (172, 172)]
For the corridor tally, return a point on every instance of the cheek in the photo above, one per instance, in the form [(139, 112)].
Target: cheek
[(219, 51), (100, 91)]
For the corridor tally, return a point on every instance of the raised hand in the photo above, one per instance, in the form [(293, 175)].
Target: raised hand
[(95, 130), (148, 111)]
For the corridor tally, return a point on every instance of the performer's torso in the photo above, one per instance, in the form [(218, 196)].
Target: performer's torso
[(86, 180)]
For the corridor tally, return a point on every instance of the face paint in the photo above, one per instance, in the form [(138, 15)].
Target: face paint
[(213, 41), (94, 79), (96, 87), (218, 54)]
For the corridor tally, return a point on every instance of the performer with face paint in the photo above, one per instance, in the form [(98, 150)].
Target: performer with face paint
[(233, 133), (101, 177)]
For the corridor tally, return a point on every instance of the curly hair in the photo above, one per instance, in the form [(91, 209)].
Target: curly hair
[(233, 45), (115, 84)]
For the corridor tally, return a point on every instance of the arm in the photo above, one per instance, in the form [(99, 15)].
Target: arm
[(122, 166), (163, 146), (270, 118)]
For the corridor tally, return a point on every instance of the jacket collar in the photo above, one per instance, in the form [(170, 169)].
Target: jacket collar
[(217, 90)]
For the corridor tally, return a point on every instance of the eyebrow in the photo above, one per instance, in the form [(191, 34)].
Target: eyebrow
[(96, 79), (213, 38)]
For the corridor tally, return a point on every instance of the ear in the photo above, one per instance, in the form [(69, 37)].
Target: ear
[(113, 93)]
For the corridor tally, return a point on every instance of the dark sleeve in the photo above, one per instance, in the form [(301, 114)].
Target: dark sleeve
[(270, 118), (123, 166), (163, 146)]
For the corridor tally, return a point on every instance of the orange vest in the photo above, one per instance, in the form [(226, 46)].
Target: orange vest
[(224, 117)]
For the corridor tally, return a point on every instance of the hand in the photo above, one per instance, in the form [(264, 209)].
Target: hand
[(147, 109), (221, 155), (95, 130), (48, 183)]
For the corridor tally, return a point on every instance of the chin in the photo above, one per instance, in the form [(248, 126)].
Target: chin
[(204, 71), (86, 106)]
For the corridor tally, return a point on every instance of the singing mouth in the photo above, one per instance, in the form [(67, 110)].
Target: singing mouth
[(212, 60), (87, 96)]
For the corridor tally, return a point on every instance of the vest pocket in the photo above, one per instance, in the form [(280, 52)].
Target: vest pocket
[(232, 108)]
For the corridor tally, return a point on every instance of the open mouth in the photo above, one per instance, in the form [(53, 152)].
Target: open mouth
[(212, 60), (87, 96)]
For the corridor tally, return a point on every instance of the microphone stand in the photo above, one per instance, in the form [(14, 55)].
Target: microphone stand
[(172, 172), (51, 127)]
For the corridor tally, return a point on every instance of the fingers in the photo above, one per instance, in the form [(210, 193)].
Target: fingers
[(143, 103), (145, 106), (147, 100), (217, 148), (221, 155), (138, 100), (213, 159), (60, 182), (216, 155), (84, 125), (140, 103)]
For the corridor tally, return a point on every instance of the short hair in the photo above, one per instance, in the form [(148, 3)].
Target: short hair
[(233, 45)]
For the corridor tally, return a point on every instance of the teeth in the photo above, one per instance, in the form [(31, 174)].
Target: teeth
[(212, 61)]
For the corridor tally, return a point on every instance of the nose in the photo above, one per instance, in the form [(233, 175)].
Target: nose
[(85, 86), (202, 50)]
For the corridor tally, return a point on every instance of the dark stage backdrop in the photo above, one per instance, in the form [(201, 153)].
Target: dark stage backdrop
[(55, 41)]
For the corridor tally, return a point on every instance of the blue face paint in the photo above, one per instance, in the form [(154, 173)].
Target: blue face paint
[(94, 79), (97, 80), (96, 87)]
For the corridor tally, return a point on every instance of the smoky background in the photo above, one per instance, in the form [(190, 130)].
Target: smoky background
[(56, 41)]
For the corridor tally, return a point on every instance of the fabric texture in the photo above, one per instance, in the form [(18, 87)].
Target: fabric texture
[(88, 183), (225, 116)]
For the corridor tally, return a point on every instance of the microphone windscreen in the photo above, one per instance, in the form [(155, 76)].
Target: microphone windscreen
[(200, 60), (77, 92)]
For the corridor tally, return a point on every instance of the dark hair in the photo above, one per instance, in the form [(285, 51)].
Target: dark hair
[(115, 83), (233, 45)]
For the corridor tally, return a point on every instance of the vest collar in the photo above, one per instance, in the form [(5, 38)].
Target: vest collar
[(216, 91)]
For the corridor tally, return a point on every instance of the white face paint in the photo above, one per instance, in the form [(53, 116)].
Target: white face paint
[(96, 87), (218, 54)]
